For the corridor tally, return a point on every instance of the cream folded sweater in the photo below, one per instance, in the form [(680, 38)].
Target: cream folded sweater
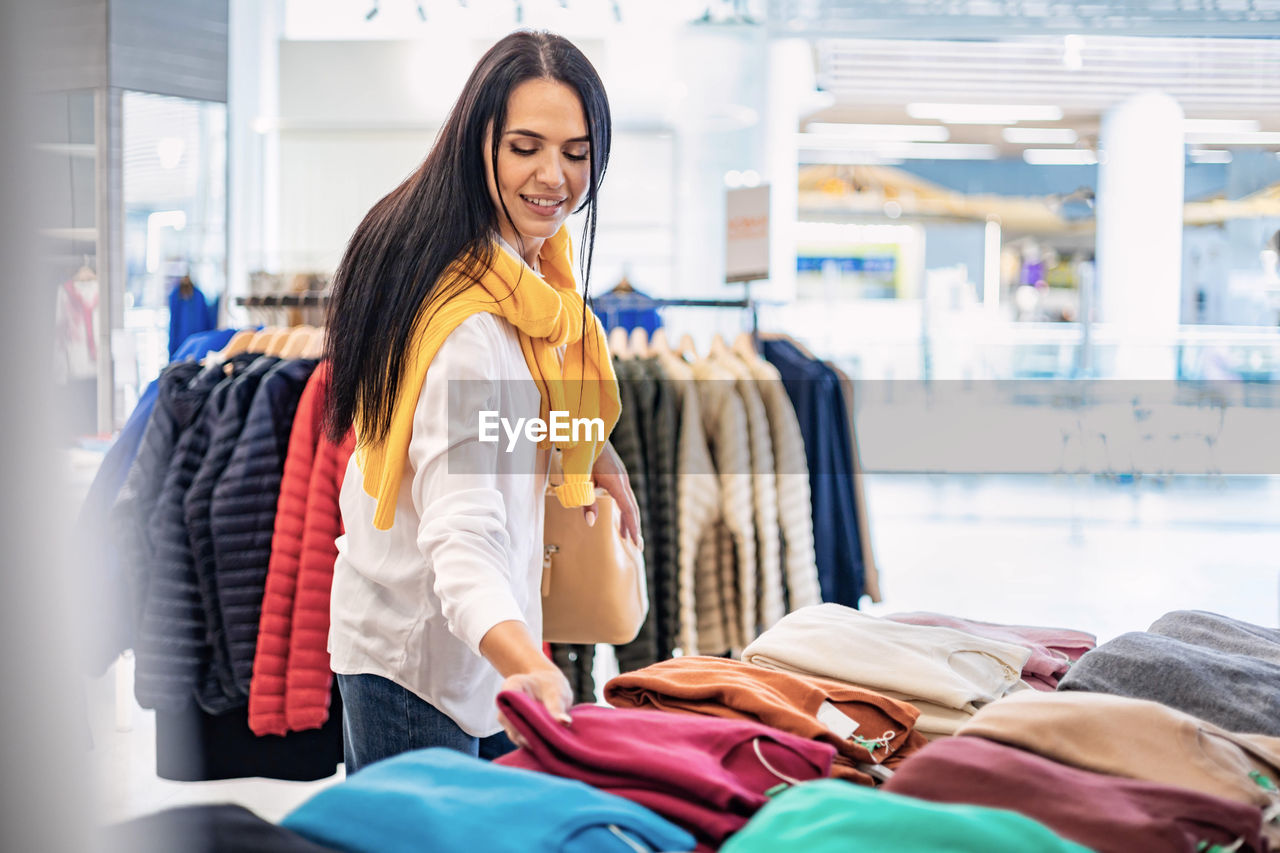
[(942, 666)]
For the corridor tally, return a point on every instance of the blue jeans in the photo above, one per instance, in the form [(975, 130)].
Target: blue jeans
[(381, 719)]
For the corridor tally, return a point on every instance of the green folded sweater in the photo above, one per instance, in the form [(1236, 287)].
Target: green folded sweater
[(832, 815)]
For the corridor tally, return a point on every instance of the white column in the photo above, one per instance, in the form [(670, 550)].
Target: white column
[(790, 80), (1139, 243)]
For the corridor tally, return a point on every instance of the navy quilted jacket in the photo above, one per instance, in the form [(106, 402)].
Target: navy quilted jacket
[(243, 511), (137, 497), (171, 647), (223, 438)]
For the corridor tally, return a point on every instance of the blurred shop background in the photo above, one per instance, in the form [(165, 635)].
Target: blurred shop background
[(1067, 211)]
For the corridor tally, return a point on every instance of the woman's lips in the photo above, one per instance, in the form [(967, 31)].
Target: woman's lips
[(543, 210)]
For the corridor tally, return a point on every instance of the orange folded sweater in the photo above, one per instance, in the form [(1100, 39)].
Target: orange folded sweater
[(816, 708)]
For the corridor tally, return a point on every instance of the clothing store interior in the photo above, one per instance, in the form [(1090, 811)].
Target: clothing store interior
[(947, 340)]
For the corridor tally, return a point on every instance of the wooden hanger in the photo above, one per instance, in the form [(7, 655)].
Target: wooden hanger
[(687, 349), (258, 343), (275, 343), (745, 346), (619, 344), (315, 348), (658, 342), (239, 343), (719, 348), (85, 273), (297, 342), (638, 342)]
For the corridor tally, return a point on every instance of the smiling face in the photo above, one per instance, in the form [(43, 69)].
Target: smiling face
[(544, 163)]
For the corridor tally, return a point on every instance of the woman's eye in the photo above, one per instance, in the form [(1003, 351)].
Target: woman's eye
[(576, 157), (523, 152)]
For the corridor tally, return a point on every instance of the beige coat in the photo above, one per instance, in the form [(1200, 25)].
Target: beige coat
[(725, 419), (795, 504), (702, 608), (770, 601)]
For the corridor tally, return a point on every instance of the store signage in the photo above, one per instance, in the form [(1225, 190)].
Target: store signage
[(747, 235)]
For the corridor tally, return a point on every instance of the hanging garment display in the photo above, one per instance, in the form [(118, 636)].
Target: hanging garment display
[(816, 396)]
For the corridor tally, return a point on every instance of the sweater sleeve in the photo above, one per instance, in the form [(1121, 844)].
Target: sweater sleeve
[(456, 488)]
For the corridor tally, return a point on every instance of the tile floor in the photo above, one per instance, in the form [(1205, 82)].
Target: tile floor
[(1087, 553)]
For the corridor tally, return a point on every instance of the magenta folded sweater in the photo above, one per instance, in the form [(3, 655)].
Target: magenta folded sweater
[(1052, 649), (707, 774)]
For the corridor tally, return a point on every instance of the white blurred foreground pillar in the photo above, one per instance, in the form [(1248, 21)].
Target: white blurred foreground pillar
[(1139, 242)]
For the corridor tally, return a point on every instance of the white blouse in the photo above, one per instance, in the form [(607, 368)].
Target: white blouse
[(465, 550)]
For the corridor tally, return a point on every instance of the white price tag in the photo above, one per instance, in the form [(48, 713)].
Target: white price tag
[(836, 720)]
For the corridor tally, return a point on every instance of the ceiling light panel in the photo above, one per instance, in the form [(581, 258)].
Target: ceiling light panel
[(1210, 78), (1039, 135), (880, 132), (1060, 157), (984, 113)]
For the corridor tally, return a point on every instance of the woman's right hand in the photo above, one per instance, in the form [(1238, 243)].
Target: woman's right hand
[(548, 686)]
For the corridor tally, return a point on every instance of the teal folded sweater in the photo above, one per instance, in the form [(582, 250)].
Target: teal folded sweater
[(832, 815), (442, 801)]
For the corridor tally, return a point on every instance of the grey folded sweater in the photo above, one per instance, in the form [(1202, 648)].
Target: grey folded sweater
[(1238, 692)]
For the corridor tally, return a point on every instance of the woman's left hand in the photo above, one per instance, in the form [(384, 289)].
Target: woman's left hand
[(611, 475)]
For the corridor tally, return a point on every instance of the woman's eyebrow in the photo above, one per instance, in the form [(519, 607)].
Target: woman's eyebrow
[(519, 131)]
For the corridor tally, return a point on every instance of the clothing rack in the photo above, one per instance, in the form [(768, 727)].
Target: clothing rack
[(305, 299), (320, 299), (632, 300)]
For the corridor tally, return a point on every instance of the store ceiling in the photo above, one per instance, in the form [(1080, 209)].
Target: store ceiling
[(873, 80), (1002, 18)]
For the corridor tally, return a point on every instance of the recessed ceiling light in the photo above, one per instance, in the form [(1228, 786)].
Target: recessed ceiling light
[(1039, 135), (1261, 137), (984, 113), (881, 132), (1220, 125), (1210, 155), (1060, 157), (899, 151)]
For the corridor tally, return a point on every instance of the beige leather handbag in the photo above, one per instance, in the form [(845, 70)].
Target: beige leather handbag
[(593, 584)]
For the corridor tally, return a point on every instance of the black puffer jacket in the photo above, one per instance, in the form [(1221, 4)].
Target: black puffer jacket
[(243, 511), (137, 497), (196, 508), (172, 647)]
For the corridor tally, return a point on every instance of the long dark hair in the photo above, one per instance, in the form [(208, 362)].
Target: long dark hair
[(442, 213)]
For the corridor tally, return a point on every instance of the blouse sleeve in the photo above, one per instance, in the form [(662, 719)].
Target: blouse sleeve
[(456, 486)]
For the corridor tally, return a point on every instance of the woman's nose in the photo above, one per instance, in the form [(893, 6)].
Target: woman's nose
[(550, 173)]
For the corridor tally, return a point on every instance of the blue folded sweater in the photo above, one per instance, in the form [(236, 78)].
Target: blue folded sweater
[(444, 801)]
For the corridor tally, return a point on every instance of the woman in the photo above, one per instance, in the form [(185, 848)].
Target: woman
[(456, 297)]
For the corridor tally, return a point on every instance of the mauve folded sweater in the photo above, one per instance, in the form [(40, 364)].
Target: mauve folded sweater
[(1105, 813)]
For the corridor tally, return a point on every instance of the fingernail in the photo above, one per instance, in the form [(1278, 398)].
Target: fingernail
[(591, 519)]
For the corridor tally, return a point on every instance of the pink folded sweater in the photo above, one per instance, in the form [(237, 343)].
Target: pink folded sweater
[(1052, 649)]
